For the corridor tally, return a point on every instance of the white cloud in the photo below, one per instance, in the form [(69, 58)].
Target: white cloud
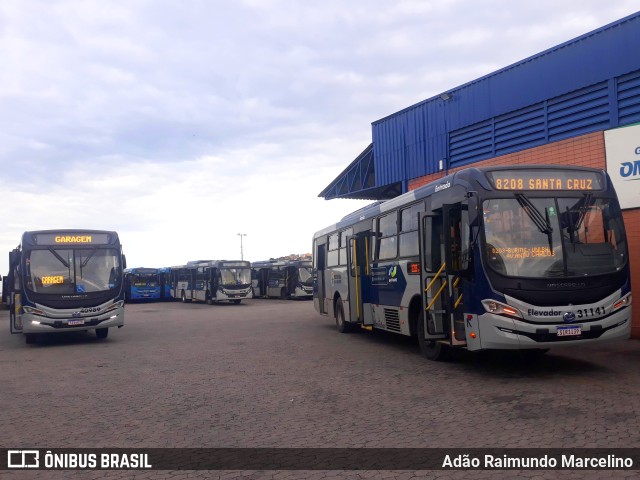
[(182, 124)]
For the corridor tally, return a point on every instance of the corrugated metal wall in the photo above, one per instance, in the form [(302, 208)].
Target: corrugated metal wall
[(588, 84)]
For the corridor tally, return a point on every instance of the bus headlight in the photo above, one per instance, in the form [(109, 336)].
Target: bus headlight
[(498, 308), (115, 306), (33, 311), (623, 302)]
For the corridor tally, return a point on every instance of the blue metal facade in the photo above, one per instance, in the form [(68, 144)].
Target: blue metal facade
[(591, 83)]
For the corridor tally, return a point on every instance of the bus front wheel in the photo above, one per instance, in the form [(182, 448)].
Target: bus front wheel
[(429, 348), (30, 338), (102, 332)]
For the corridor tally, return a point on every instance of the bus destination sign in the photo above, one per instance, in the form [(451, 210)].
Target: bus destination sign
[(539, 179), (75, 238)]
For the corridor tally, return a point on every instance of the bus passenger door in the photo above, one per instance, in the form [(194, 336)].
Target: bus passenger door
[(457, 258), (320, 266), (13, 289), (433, 276), (357, 261), (15, 322)]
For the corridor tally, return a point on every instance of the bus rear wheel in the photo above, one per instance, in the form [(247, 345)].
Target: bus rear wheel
[(102, 332), (341, 324), (429, 348)]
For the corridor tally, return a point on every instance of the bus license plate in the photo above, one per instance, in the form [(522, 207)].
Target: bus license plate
[(569, 331), (75, 322)]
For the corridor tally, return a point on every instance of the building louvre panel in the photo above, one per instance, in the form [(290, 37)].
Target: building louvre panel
[(580, 112), (629, 98)]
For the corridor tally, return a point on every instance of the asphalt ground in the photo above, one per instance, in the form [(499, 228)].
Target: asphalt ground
[(274, 373)]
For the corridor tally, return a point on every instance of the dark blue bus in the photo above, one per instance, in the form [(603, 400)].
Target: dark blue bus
[(514, 257), (64, 281), (165, 283)]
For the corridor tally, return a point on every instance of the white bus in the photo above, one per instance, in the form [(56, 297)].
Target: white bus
[(212, 281)]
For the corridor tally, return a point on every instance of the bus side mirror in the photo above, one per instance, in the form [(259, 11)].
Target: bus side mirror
[(473, 207), (13, 258)]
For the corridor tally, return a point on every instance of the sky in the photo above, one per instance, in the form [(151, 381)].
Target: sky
[(182, 123)]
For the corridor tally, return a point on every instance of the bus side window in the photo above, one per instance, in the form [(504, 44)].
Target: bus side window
[(387, 241)]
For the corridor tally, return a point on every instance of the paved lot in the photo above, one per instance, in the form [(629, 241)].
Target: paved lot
[(273, 373)]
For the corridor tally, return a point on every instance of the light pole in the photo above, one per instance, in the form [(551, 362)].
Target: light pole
[(241, 250)]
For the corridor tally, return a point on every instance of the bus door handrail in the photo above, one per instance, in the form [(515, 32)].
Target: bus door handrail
[(442, 287)]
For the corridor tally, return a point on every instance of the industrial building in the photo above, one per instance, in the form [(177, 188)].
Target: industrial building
[(576, 104)]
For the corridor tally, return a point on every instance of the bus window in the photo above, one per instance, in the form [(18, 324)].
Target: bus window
[(333, 256), (387, 246), (409, 230)]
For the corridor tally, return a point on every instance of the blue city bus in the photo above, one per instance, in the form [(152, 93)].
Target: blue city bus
[(513, 257), (66, 280), (142, 284), (282, 279), (165, 283), (212, 281)]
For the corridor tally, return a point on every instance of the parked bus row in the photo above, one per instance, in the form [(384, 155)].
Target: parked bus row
[(214, 281), (517, 257)]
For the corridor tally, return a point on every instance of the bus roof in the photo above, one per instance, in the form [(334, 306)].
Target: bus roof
[(462, 177), (280, 263), (68, 236)]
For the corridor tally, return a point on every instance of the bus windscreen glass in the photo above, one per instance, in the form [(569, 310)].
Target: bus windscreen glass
[(305, 274), (235, 276), (549, 237), (72, 271)]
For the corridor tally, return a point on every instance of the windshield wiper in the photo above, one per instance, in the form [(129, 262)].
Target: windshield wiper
[(582, 211), (542, 222), (60, 259)]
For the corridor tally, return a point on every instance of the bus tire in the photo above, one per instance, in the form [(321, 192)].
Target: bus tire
[(341, 324), (429, 348), (102, 332), (183, 297), (237, 301), (30, 338)]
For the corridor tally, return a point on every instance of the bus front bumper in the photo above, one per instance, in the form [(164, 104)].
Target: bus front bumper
[(38, 324), (501, 332)]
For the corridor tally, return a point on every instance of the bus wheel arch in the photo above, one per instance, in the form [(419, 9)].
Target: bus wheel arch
[(415, 307), (341, 322), (431, 349)]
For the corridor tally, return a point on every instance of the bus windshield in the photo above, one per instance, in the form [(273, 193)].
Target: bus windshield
[(235, 276), (72, 271), (145, 280), (305, 275), (553, 237)]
